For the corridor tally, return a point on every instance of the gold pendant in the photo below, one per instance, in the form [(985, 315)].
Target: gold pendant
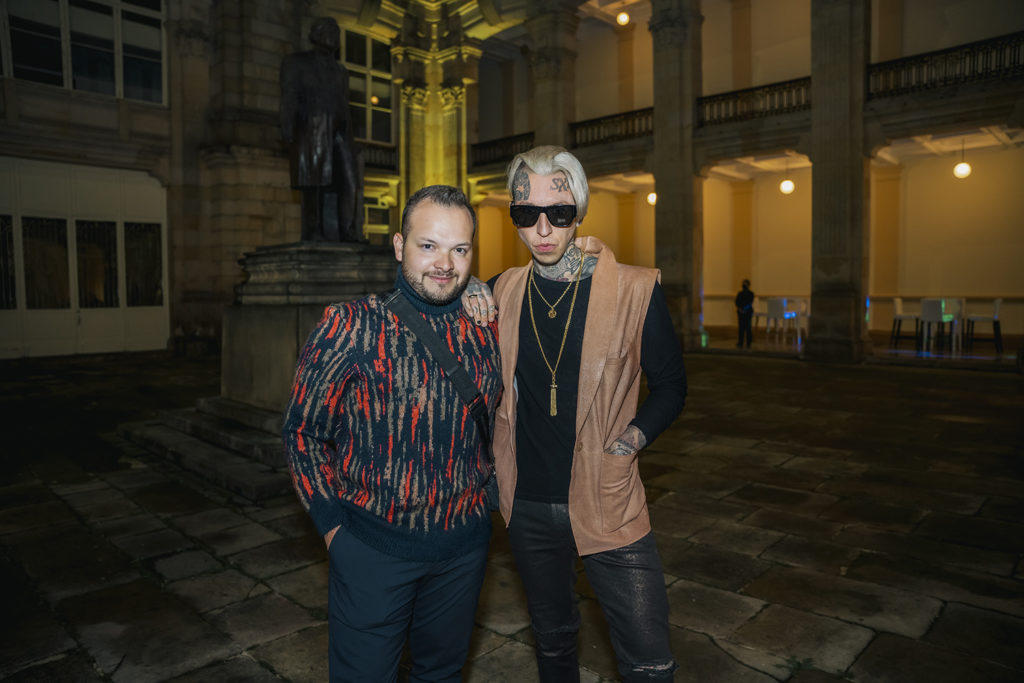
[(554, 408), (551, 313)]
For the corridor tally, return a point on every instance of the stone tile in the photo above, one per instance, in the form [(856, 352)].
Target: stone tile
[(238, 538), (153, 544), (281, 556), (829, 466), (511, 663), (72, 667), (241, 669), (1007, 509), (878, 607), (974, 531), (980, 633), (209, 521), (882, 492), (70, 559), (171, 498), (740, 538), (34, 516), (702, 661), (823, 643), (186, 564), (941, 581), (31, 492), (709, 610), (306, 586), (134, 478), (813, 676), (138, 634), (213, 591), (292, 526), (300, 657), (877, 515), (285, 508), (895, 659), (790, 500), (502, 606), (777, 476), (822, 556), (793, 523), (711, 485), (677, 523), (93, 496), (706, 506), (90, 484), (111, 509), (260, 619), (483, 641), (1000, 564), (756, 659), (129, 526), (713, 566), (31, 634)]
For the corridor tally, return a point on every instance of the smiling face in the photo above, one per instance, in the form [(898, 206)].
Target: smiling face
[(546, 242), (437, 251)]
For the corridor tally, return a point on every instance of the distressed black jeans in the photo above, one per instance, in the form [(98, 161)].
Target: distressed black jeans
[(628, 582)]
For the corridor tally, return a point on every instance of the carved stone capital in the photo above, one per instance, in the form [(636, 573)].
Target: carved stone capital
[(414, 95), (671, 22), (452, 95)]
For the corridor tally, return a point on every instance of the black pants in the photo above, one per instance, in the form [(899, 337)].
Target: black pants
[(746, 333), (376, 601), (628, 582)]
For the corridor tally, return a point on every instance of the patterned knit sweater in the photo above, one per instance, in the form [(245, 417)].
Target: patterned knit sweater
[(378, 439)]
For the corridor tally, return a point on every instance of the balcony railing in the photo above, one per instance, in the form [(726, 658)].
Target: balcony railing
[(631, 124), (380, 157), (755, 103), (993, 58), (500, 150)]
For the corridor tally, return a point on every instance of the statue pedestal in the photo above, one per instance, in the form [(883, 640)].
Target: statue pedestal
[(281, 302)]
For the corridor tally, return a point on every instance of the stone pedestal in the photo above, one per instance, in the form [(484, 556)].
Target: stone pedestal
[(281, 301)]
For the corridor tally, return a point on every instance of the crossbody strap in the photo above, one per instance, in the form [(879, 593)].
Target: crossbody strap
[(396, 302)]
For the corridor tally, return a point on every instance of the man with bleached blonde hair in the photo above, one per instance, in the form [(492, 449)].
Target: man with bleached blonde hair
[(576, 328)]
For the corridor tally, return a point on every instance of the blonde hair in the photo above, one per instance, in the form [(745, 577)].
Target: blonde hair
[(549, 159)]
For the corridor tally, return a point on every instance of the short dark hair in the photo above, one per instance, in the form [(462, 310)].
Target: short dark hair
[(442, 195)]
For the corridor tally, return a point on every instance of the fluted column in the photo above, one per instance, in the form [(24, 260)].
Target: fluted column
[(413, 137), (678, 217), (840, 32), (552, 30)]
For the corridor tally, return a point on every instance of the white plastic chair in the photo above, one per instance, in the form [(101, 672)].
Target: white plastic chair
[(932, 313), (997, 334), (898, 316), (775, 311)]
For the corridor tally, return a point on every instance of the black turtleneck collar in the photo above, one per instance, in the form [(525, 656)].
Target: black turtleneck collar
[(419, 303)]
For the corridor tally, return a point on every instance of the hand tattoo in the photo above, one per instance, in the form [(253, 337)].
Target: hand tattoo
[(521, 184), (475, 286), (631, 441)]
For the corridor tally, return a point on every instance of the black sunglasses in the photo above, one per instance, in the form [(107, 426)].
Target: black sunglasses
[(526, 216)]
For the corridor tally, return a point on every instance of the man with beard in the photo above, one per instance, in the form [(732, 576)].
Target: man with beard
[(577, 328), (388, 461)]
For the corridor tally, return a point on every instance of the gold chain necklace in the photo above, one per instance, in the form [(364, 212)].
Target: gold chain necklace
[(551, 306), (565, 333)]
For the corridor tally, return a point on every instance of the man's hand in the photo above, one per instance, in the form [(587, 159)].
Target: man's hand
[(629, 443), (478, 302), (329, 536)]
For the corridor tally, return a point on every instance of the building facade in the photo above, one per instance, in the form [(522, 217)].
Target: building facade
[(140, 155)]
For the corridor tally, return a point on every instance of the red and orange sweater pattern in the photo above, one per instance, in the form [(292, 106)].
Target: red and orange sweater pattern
[(377, 438)]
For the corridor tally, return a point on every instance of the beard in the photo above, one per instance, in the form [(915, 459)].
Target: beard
[(429, 292)]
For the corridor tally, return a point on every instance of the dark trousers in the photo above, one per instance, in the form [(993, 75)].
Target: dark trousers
[(375, 600), (746, 333), (628, 582)]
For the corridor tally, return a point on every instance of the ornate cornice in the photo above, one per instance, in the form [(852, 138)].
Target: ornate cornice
[(452, 96), (414, 95)]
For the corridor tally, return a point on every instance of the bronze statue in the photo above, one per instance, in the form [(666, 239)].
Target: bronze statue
[(316, 125)]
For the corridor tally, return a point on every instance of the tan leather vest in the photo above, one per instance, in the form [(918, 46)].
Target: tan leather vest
[(607, 504)]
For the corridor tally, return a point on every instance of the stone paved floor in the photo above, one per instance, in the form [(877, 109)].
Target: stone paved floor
[(817, 523)]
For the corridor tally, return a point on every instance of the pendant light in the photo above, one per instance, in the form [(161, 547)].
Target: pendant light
[(963, 169), (787, 186)]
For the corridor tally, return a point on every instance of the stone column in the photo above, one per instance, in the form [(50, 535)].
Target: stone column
[(840, 31), (412, 138), (675, 27), (552, 29)]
